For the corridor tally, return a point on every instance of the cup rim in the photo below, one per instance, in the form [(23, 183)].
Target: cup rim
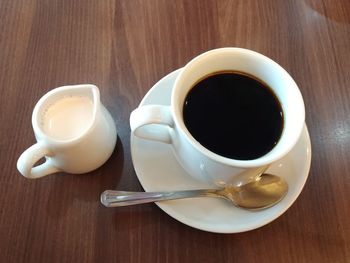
[(262, 160)]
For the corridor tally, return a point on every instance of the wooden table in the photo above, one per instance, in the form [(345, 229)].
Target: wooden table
[(124, 47)]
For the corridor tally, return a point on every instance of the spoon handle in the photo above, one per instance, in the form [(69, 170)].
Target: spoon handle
[(112, 198)]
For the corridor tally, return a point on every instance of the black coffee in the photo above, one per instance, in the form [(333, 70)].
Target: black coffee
[(234, 115)]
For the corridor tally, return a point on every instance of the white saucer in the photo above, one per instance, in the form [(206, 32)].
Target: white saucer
[(158, 170)]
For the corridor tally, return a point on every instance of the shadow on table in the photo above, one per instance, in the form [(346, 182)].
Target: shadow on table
[(80, 194)]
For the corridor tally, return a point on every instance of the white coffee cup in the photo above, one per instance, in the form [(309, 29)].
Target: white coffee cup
[(74, 132), (165, 123)]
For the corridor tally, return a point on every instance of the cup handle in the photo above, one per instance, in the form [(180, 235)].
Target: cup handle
[(29, 157), (158, 115)]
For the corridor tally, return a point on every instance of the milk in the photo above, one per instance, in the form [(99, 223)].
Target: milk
[(68, 117)]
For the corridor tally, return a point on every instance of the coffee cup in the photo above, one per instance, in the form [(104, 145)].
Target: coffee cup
[(221, 144), (74, 132)]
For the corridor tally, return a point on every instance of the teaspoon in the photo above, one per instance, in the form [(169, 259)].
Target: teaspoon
[(264, 192)]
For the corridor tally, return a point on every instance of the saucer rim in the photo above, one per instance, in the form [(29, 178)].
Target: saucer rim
[(182, 217)]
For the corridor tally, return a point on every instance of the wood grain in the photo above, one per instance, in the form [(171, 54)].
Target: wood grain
[(124, 47)]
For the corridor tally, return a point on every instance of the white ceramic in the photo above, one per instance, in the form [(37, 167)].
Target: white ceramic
[(158, 170), (85, 150), (165, 123)]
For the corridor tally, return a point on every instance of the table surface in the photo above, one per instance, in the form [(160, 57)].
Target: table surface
[(124, 47)]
